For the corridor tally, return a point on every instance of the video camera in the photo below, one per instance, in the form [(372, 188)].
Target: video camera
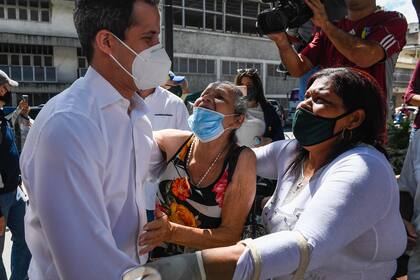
[(284, 14)]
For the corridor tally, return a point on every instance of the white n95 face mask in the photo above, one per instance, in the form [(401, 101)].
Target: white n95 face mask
[(150, 67)]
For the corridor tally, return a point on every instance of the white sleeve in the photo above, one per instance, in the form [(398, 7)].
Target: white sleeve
[(266, 161), (407, 181), (331, 220), (67, 170), (274, 158), (157, 164)]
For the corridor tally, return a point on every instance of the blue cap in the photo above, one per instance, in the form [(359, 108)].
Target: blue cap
[(175, 78)]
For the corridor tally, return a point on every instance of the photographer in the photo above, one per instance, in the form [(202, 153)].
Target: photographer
[(368, 38)]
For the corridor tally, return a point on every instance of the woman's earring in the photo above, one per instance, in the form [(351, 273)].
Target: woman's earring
[(347, 134)]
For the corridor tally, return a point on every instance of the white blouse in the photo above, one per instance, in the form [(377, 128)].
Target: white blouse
[(348, 212)]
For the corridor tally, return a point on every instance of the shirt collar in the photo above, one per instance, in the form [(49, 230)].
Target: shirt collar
[(103, 91), (140, 108), (106, 94)]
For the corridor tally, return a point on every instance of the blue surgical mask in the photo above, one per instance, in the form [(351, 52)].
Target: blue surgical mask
[(206, 124)]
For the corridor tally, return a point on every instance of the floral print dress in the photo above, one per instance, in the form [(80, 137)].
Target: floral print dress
[(188, 205)]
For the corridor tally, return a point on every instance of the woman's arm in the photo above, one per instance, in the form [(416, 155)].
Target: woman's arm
[(329, 223), (170, 140), (237, 202)]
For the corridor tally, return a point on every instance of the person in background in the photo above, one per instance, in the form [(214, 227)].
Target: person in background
[(303, 35), (12, 205), (88, 153), (409, 183), (262, 124), (22, 122), (412, 97), (166, 111), (368, 38), (178, 85), (206, 203)]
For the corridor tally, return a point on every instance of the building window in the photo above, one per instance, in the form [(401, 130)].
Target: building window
[(231, 67), (33, 10), (232, 16), (194, 66), (28, 63), (82, 63)]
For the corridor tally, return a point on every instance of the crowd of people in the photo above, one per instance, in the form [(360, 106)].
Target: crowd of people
[(124, 180)]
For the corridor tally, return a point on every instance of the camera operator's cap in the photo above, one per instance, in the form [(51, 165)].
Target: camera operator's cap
[(5, 79), (175, 78)]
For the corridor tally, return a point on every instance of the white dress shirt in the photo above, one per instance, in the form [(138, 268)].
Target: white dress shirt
[(83, 163), (166, 110)]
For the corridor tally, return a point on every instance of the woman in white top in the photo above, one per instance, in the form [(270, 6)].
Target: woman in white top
[(336, 194)]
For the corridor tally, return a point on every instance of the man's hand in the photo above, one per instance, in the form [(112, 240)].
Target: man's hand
[(2, 225), (24, 107), (279, 38), (320, 17), (156, 232)]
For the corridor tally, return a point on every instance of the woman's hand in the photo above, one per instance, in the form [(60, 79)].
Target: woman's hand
[(155, 232)]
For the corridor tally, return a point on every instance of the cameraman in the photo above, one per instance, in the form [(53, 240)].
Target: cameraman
[(369, 38)]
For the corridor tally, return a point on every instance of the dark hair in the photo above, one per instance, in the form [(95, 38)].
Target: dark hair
[(91, 16), (358, 90), (256, 82)]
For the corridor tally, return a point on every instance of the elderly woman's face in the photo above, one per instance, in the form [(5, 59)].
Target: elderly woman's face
[(220, 99), (321, 101)]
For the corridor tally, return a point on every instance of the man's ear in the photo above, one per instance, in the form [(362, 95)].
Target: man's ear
[(357, 118), (104, 41)]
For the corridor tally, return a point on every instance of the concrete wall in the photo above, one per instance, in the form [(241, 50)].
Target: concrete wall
[(65, 62), (280, 87), (199, 82), (211, 43), (61, 23)]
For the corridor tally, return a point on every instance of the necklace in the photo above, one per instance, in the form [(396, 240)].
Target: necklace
[(210, 167)]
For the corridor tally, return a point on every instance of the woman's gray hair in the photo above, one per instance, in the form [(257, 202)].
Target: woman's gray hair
[(240, 104)]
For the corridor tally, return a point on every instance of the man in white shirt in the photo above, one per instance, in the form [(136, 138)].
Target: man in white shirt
[(88, 153), (166, 110)]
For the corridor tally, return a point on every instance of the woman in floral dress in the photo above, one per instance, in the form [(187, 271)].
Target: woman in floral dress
[(206, 203)]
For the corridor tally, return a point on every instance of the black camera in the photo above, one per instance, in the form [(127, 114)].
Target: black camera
[(284, 14)]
